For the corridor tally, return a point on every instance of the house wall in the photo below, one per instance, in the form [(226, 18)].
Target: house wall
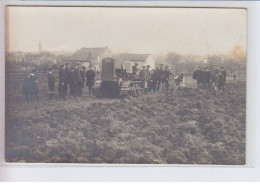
[(150, 61)]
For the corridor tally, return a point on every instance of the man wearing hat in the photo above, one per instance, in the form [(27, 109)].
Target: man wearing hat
[(197, 75), (142, 74), (207, 78), (166, 76), (160, 75), (78, 80), (72, 82), (214, 74), (26, 90), (34, 90), (82, 73), (135, 69), (224, 73), (90, 75)]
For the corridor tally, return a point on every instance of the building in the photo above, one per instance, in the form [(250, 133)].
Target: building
[(88, 56), (140, 59)]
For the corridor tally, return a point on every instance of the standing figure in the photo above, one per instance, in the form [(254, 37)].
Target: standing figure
[(61, 87), (90, 75), (34, 85), (51, 84), (82, 73), (166, 76), (78, 80), (160, 73), (220, 82), (135, 69), (213, 80), (224, 73), (142, 74), (207, 78), (27, 88), (197, 75), (157, 78), (72, 81), (153, 81)]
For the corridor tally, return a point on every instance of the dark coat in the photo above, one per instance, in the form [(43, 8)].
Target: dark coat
[(166, 76), (71, 77), (65, 76), (224, 73), (207, 76), (30, 85), (220, 80), (61, 75), (157, 75), (135, 70), (82, 74), (26, 85), (51, 81), (77, 76), (160, 74), (90, 75), (198, 75)]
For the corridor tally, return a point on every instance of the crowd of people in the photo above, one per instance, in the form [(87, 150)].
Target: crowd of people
[(211, 80), (154, 79), (73, 78), (71, 81)]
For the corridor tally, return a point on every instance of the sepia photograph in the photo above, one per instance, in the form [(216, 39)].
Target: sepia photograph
[(125, 85)]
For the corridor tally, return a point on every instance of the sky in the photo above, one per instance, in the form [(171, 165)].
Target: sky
[(198, 31)]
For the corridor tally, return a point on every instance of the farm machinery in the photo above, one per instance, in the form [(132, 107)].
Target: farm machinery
[(113, 84)]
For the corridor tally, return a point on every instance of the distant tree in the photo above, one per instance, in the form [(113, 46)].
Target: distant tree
[(173, 58)]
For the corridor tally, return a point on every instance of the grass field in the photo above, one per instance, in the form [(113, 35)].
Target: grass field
[(187, 126)]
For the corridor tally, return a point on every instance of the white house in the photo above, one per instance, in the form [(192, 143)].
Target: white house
[(92, 56), (129, 60)]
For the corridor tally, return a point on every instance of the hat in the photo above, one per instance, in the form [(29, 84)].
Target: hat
[(83, 67), (67, 64), (136, 64), (62, 65), (143, 66), (148, 65)]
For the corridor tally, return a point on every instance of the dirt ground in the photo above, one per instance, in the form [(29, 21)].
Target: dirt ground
[(187, 126)]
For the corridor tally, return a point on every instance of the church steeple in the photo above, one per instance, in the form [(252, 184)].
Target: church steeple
[(40, 47)]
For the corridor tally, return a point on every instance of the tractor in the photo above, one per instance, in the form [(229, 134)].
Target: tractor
[(113, 84)]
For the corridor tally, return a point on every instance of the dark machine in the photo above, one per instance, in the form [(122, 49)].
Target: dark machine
[(115, 82)]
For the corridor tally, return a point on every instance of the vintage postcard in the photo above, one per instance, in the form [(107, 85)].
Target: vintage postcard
[(125, 85)]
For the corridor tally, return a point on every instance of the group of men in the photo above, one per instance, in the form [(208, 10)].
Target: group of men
[(154, 79), (214, 79), (72, 78)]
